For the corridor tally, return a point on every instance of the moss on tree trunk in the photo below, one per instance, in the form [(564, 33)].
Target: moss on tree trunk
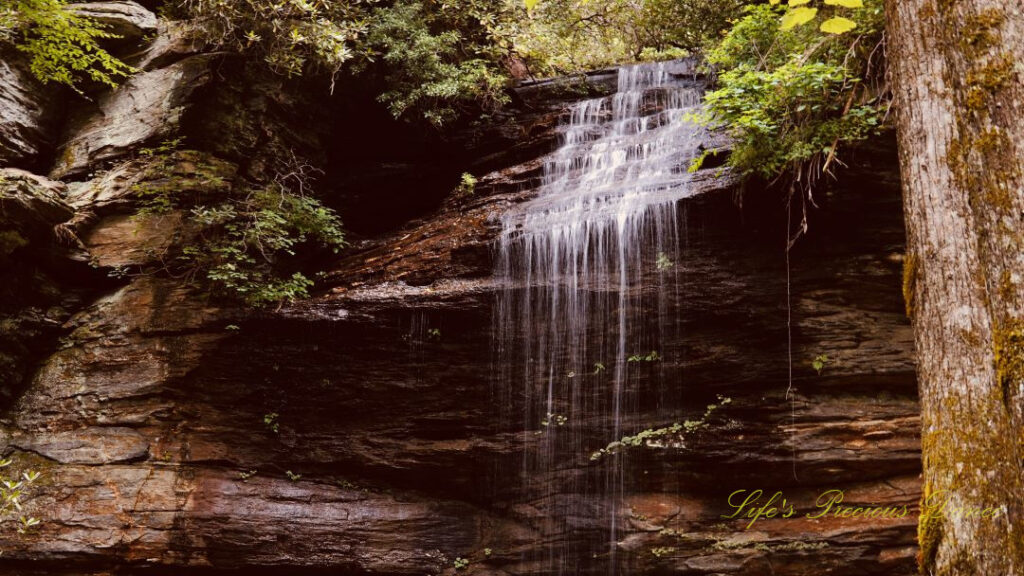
[(957, 75)]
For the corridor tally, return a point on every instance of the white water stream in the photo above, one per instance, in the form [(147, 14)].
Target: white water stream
[(587, 264)]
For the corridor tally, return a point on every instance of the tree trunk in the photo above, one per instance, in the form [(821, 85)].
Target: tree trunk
[(958, 76)]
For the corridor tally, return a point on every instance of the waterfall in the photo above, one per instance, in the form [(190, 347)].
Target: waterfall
[(590, 269)]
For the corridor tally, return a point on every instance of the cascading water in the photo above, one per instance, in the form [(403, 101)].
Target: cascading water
[(590, 267)]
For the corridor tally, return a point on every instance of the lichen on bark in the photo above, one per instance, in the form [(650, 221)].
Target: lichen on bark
[(961, 138)]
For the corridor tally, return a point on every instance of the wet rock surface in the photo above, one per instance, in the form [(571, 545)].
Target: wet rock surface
[(28, 114), (342, 435), (32, 205), (45, 277), (361, 432)]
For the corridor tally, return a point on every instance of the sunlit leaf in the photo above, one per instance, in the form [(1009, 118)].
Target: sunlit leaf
[(530, 4), (798, 2), (798, 16), (845, 3), (838, 25)]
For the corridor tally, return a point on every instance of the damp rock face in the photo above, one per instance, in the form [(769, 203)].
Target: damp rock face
[(32, 205), (143, 110), (38, 293), (371, 430), (362, 430), (28, 114)]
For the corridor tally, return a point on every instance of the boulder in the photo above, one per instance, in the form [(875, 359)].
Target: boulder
[(127, 20), (176, 172), (31, 205), (28, 118), (145, 109)]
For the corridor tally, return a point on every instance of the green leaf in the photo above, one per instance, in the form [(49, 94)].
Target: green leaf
[(846, 3), (530, 3), (838, 25), (798, 2), (798, 16)]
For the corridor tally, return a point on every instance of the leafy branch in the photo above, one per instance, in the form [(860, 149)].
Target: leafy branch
[(62, 46), (674, 435)]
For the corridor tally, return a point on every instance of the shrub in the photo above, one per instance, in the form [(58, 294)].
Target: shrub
[(291, 36), (245, 236), (791, 92), (438, 61), (246, 242)]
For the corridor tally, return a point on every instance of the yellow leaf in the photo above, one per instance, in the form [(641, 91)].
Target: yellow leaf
[(798, 2), (798, 16), (846, 3), (773, 2), (838, 25), (530, 4)]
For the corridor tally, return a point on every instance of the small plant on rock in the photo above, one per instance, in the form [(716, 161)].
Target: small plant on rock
[(13, 489), (554, 420), (819, 363), (653, 356), (271, 422), (467, 185)]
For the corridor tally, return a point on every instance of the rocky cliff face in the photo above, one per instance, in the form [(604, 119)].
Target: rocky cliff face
[(360, 432)]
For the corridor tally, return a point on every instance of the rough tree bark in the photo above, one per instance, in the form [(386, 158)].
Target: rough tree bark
[(958, 75)]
